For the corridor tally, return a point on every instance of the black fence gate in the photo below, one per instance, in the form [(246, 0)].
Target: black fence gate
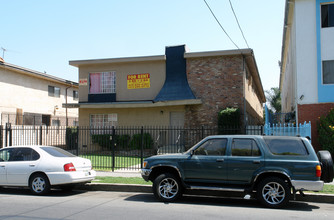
[(111, 148)]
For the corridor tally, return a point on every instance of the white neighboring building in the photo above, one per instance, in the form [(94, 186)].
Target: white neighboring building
[(29, 97), (307, 63)]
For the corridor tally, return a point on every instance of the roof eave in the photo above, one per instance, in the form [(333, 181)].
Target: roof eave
[(78, 63), (37, 74)]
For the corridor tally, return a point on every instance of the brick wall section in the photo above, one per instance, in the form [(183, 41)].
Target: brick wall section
[(312, 112), (218, 82)]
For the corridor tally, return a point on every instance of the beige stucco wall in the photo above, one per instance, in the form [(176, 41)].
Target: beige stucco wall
[(156, 69), (156, 116), (251, 95), (20, 91)]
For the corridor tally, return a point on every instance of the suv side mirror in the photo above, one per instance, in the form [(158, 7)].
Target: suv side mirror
[(192, 152)]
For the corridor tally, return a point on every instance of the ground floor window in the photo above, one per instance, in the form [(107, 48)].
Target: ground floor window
[(103, 120), (55, 122)]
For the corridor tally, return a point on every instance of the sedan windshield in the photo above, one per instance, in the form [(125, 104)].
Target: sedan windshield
[(57, 152)]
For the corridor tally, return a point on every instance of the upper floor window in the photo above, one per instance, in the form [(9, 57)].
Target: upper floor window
[(54, 91), (327, 15), (75, 95), (103, 82), (328, 71)]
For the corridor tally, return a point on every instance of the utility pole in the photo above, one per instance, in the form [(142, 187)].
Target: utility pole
[(3, 52)]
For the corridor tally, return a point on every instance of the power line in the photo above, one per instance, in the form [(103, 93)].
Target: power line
[(238, 23), (220, 25)]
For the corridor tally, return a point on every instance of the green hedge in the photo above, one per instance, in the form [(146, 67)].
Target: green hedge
[(123, 141), (136, 141), (104, 140)]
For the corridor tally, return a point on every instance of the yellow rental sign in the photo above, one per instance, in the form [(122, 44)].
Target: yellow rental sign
[(138, 81)]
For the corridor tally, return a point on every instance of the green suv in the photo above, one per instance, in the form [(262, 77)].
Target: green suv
[(270, 168)]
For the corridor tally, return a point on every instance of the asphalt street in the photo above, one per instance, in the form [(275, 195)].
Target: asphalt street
[(310, 197), (21, 205)]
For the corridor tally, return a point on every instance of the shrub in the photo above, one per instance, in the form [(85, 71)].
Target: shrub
[(229, 121), (326, 132), (136, 141), (71, 138), (104, 140), (122, 141)]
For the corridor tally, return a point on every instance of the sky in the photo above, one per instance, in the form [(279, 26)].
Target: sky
[(44, 35)]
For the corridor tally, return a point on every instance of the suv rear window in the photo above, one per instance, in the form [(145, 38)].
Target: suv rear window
[(286, 146)]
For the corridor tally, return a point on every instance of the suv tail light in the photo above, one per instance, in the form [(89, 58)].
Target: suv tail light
[(318, 171), (69, 167)]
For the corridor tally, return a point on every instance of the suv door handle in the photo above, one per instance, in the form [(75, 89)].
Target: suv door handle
[(256, 162), (220, 160)]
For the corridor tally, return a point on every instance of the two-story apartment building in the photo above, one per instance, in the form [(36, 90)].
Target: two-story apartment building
[(176, 89), (29, 97), (307, 63)]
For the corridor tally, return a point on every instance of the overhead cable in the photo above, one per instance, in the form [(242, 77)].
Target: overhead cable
[(238, 23), (221, 25)]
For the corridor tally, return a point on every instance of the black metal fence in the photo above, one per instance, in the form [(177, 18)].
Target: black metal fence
[(111, 148)]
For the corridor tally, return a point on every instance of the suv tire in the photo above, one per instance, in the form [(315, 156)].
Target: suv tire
[(273, 192), (167, 187), (326, 161)]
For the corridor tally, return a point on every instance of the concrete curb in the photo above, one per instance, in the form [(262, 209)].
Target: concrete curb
[(316, 197), (116, 187), (309, 197)]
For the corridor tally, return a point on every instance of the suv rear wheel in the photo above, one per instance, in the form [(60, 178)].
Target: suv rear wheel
[(167, 187), (273, 192)]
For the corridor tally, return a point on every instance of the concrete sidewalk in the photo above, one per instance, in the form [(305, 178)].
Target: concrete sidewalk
[(95, 186)]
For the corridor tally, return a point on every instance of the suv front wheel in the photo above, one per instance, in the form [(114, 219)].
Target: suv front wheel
[(167, 187), (273, 192)]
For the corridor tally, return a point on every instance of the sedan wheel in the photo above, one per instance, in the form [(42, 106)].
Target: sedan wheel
[(273, 192), (39, 184), (167, 187)]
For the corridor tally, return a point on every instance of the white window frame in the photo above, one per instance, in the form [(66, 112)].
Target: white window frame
[(103, 120), (98, 123), (55, 122)]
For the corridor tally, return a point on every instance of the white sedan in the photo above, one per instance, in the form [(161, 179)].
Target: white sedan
[(41, 167)]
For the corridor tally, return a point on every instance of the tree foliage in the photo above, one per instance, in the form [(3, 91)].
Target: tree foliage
[(273, 96), (229, 121), (326, 132)]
